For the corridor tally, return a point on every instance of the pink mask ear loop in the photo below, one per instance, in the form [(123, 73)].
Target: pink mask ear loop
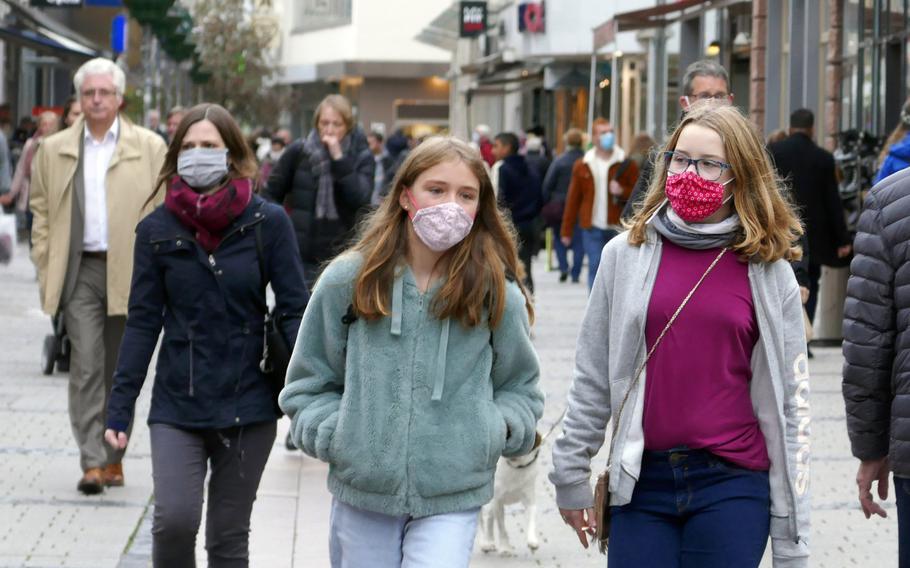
[(414, 203)]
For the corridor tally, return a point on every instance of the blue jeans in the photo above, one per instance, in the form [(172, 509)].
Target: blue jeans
[(691, 509), (577, 248), (902, 491), (363, 538), (593, 241)]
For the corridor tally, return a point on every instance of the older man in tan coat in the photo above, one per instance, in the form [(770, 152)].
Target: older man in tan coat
[(90, 187)]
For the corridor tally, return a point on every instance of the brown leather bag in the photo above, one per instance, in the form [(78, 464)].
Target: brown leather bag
[(602, 487)]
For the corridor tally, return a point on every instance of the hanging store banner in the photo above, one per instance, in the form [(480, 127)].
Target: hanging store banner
[(531, 18), (473, 19)]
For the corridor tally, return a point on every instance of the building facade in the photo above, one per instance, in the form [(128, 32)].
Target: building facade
[(345, 46)]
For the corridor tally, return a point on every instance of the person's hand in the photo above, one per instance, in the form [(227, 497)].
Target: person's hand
[(6, 200), (869, 471), (566, 241), (582, 521), (615, 188), (844, 251), (117, 440), (804, 294), (333, 145)]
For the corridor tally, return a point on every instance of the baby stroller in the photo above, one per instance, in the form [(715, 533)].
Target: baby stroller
[(56, 349)]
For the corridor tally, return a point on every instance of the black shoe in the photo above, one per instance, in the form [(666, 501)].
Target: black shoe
[(574, 280), (563, 276)]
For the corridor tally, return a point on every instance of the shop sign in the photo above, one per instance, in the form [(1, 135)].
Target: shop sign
[(56, 3), (473, 18), (531, 17)]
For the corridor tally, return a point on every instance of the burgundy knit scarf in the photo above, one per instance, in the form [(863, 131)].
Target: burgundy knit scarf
[(208, 215)]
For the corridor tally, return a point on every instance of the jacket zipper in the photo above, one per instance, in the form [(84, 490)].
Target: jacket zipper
[(192, 377)]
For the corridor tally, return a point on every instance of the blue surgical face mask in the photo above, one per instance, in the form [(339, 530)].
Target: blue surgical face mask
[(607, 141)]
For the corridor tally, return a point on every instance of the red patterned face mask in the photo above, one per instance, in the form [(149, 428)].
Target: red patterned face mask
[(693, 197)]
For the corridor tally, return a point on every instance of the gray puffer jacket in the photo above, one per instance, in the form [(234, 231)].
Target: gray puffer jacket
[(876, 335)]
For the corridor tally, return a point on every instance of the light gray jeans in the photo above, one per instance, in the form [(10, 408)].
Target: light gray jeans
[(180, 460), (359, 538)]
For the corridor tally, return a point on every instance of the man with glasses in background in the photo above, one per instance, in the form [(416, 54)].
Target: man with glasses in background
[(90, 187), (705, 81)]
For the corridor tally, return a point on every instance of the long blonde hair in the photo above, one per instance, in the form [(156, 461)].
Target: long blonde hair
[(898, 134), (478, 267), (770, 226)]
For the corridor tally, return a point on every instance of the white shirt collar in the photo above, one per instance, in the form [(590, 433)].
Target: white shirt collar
[(112, 134)]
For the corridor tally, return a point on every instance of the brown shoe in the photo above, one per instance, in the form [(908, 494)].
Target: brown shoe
[(113, 475), (92, 482)]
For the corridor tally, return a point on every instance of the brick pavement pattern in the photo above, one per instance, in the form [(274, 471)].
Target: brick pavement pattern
[(45, 522)]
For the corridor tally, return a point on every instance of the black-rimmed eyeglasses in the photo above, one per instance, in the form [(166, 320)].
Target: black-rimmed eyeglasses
[(710, 170)]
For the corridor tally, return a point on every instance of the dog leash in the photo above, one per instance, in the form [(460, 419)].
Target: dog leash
[(542, 440)]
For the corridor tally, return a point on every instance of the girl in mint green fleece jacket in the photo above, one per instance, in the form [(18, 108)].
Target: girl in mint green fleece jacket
[(414, 370)]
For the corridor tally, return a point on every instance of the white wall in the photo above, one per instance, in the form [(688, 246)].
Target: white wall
[(381, 30), (569, 25)]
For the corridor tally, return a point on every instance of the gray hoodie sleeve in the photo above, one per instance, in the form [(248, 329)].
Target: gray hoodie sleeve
[(588, 410), (787, 552)]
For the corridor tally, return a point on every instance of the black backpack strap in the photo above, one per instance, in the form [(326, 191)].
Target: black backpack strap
[(350, 317)]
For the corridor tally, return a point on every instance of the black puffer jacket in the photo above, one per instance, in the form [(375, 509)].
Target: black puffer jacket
[(877, 328), (293, 179)]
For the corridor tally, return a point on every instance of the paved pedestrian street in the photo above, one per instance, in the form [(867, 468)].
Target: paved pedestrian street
[(45, 522)]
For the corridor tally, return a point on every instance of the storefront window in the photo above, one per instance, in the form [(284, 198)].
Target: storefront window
[(851, 28)]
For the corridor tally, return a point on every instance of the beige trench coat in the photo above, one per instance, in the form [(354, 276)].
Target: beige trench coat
[(130, 180)]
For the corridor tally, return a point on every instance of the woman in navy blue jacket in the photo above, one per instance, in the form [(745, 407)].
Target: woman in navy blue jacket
[(197, 276)]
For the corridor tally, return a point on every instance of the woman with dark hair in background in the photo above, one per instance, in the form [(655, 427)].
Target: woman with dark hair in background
[(72, 111), (199, 276)]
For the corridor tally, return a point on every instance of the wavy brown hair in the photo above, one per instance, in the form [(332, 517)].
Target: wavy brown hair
[(478, 266), (770, 227), (241, 160)]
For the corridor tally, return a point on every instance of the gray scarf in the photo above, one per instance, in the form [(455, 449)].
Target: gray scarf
[(697, 236), (321, 164)]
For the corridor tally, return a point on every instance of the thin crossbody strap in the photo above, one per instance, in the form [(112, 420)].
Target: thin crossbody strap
[(644, 363)]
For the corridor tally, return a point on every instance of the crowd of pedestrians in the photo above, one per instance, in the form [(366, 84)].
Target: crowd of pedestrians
[(401, 273)]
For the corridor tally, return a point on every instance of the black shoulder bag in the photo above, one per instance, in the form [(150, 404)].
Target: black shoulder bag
[(276, 353)]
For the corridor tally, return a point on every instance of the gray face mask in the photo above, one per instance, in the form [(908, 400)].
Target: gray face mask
[(202, 168)]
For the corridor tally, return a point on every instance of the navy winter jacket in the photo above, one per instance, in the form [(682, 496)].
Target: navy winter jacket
[(519, 189), (210, 307)]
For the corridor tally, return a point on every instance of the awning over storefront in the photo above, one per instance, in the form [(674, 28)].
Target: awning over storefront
[(31, 28), (661, 15), (443, 30)]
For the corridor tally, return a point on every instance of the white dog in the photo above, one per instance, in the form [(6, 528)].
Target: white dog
[(515, 482)]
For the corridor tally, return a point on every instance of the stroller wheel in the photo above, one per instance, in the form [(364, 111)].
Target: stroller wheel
[(49, 354)]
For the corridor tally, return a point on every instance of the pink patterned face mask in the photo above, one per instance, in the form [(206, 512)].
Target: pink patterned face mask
[(442, 226), (693, 197)]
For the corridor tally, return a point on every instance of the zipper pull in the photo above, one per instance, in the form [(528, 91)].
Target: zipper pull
[(212, 260)]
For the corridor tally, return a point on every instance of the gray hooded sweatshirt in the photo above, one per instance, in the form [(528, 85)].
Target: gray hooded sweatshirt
[(611, 347)]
